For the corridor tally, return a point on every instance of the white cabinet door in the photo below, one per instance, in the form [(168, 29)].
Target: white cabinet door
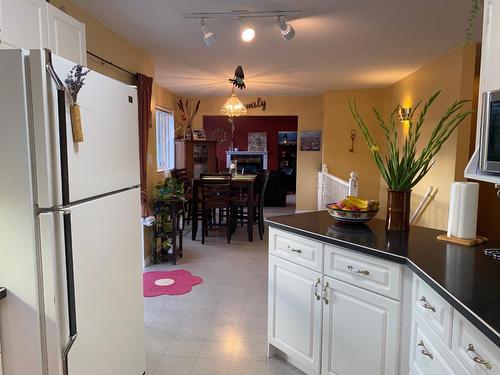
[(360, 331), (294, 324), (23, 24), (66, 36)]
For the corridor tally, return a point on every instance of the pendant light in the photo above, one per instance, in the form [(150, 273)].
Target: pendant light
[(233, 106)]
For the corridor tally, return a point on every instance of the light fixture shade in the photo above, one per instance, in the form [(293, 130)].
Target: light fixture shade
[(287, 30), (404, 113), (233, 107), (208, 36)]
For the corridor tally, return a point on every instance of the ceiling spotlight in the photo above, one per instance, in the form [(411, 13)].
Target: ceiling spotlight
[(287, 30), (247, 32), (208, 36)]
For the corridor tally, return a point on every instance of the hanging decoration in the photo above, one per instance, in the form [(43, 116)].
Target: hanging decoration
[(74, 82), (239, 76), (259, 103), (233, 107), (354, 134)]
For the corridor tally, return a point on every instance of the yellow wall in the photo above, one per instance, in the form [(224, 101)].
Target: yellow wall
[(454, 74), (310, 117), (337, 129), (103, 42)]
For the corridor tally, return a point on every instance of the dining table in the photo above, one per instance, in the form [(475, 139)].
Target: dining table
[(245, 182)]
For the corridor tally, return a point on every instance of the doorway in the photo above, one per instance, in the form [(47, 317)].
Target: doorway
[(280, 134)]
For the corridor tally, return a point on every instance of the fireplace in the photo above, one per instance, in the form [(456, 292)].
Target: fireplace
[(249, 160)]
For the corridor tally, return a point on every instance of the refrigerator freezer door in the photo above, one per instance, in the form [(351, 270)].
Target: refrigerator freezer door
[(108, 158), (106, 242)]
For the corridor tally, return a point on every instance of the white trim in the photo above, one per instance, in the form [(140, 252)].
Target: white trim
[(164, 109), (264, 155)]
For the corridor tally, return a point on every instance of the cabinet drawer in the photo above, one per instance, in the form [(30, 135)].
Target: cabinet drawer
[(297, 249), (434, 309), (365, 271), (428, 354), (477, 353)]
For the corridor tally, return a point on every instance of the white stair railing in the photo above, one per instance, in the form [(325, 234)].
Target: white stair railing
[(333, 189)]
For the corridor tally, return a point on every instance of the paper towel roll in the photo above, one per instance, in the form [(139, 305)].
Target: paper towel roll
[(462, 218)]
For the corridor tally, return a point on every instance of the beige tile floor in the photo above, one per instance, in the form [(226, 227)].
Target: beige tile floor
[(220, 328)]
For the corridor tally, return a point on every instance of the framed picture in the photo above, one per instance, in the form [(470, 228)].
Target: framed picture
[(199, 135), (310, 140), (287, 138), (257, 141)]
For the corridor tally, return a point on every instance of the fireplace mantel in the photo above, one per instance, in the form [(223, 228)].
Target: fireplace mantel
[(262, 154)]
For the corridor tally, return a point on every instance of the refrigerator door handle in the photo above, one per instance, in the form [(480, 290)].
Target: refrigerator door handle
[(61, 113), (70, 285), (51, 70)]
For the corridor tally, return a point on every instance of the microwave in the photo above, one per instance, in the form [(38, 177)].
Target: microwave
[(490, 133)]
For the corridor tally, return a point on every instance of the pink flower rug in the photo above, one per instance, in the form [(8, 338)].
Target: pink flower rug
[(176, 282)]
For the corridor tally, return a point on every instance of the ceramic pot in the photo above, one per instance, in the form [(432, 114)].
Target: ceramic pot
[(398, 210)]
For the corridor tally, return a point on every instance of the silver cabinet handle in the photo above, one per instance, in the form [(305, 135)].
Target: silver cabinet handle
[(423, 350), (324, 292), (475, 357), (426, 305), (362, 272), (298, 251), (315, 288)]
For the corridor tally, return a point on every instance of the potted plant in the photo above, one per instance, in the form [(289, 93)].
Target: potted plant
[(400, 164), (164, 191)]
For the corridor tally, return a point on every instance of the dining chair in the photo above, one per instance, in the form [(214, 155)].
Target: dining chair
[(240, 198), (215, 194), (261, 186)]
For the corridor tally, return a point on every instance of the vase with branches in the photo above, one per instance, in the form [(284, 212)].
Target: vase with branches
[(188, 111), (74, 83), (402, 166)]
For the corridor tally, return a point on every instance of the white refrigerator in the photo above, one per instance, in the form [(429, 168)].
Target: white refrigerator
[(70, 232)]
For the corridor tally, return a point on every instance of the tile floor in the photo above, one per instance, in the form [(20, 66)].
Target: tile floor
[(220, 328)]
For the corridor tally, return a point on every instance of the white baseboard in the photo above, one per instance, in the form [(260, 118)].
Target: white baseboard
[(147, 261)]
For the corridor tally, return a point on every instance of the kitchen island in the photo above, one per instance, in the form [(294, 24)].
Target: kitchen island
[(398, 298)]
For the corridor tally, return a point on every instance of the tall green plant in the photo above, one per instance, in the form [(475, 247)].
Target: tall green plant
[(400, 166)]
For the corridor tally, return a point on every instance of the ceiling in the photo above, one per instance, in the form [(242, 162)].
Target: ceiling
[(338, 44)]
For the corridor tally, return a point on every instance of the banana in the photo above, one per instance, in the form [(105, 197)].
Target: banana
[(358, 202)]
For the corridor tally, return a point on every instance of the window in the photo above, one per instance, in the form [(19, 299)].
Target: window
[(165, 135)]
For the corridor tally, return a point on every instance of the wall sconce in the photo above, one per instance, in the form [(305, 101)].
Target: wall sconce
[(404, 117), (404, 114)]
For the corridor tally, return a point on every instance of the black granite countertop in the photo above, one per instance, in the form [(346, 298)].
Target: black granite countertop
[(467, 278), (3, 293)]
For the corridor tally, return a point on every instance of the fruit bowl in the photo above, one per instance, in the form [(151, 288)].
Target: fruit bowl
[(353, 210), (350, 216)]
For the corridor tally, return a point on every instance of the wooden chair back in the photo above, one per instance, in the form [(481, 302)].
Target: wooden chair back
[(215, 192)]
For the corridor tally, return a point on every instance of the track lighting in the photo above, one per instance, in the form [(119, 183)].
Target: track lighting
[(287, 30), (247, 32), (208, 36)]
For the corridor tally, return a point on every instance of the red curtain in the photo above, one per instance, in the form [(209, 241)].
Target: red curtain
[(144, 92)]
